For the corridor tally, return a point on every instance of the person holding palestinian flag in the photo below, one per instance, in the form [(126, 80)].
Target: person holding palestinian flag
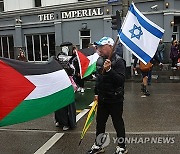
[(109, 92)]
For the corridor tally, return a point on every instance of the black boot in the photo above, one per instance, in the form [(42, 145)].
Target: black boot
[(142, 88), (146, 92)]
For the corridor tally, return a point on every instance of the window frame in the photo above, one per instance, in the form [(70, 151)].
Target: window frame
[(40, 44), (8, 45)]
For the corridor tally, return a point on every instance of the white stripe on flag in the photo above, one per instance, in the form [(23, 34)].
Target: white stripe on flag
[(48, 84), (139, 35), (93, 58)]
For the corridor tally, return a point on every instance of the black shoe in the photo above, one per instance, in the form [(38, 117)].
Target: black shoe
[(95, 150), (146, 93)]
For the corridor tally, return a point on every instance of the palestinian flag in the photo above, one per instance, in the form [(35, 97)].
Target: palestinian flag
[(87, 61), (29, 91)]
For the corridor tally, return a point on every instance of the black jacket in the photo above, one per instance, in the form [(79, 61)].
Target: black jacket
[(110, 85)]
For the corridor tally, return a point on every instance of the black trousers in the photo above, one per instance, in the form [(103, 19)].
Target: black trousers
[(116, 111), (79, 81), (66, 116), (174, 61)]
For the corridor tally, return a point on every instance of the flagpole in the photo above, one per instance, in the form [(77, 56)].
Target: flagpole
[(114, 47)]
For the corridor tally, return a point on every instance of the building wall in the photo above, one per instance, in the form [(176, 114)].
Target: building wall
[(56, 2), (177, 6), (11, 5)]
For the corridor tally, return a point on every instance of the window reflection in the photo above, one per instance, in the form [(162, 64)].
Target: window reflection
[(11, 46), (30, 48), (37, 48), (40, 47), (5, 47)]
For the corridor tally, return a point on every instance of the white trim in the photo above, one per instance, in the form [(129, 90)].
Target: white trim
[(32, 38), (8, 46), (107, 18), (26, 47), (40, 44), (48, 45)]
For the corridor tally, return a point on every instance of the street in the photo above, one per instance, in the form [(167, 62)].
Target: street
[(152, 125)]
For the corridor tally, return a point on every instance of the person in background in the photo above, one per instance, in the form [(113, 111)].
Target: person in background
[(160, 51), (119, 50), (66, 117), (174, 54), (77, 76), (145, 69), (22, 56), (134, 65), (153, 61)]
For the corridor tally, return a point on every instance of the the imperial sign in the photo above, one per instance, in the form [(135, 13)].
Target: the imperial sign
[(81, 13), (72, 14)]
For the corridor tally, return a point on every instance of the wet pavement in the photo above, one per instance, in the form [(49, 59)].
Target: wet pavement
[(152, 125)]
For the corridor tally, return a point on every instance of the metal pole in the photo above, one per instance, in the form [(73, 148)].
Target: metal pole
[(126, 53)]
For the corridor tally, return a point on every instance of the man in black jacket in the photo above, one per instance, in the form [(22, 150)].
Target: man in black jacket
[(109, 91)]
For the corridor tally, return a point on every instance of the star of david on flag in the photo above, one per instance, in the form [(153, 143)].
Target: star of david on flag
[(140, 35), (136, 30)]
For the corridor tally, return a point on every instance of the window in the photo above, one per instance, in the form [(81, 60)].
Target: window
[(51, 45), (85, 38), (37, 49), (175, 29), (1, 5), (37, 3), (29, 48), (6, 46), (40, 47), (175, 35), (11, 46)]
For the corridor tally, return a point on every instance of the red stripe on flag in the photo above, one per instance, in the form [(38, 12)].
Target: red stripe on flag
[(14, 88), (83, 62)]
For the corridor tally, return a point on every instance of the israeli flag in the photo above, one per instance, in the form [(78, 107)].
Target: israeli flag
[(140, 35)]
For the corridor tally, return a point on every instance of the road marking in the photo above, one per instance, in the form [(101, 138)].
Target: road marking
[(136, 133), (81, 114), (57, 136), (29, 130), (93, 132), (91, 104), (49, 143)]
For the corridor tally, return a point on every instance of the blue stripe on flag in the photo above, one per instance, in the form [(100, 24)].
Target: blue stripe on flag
[(135, 48), (153, 30)]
